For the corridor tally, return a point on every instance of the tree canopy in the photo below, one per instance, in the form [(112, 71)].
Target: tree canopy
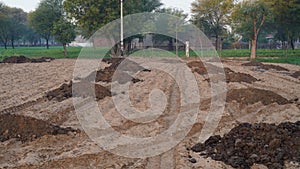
[(212, 16), (249, 18), (43, 18), (90, 15)]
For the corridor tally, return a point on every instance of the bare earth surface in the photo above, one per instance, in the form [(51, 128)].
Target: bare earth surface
[(39, 127)]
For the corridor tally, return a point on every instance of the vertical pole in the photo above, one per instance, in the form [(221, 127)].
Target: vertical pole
[(176, 40), (187, 49), (122, 30)]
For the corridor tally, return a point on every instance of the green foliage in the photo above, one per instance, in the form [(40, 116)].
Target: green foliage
[(212, 16), (171, 25), (12, 24), (249, 18), (43, 18), (90, 15), (286, 22), (248, 13), (64, 31)]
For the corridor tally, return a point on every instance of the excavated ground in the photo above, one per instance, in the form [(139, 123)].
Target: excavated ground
[(39, 127)]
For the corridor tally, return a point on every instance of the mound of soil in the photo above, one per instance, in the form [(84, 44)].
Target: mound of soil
[(23, 59), (122, 64), (265, 67), (200, 68), (108, 75), (260, 143), (27, 128), (232, 76), (116, 71), (42, 59), (253, 64), (296, 74), (81, 89), (115, 62), (17, 59), (251, 95)]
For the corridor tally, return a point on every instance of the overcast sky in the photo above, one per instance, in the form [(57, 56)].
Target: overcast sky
[(30, 5)]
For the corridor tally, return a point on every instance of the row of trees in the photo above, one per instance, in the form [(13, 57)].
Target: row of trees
[(47, 21), (12, 24), (248, 19), (219, 19)]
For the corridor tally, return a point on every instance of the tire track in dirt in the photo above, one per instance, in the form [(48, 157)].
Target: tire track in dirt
[(23, 106)]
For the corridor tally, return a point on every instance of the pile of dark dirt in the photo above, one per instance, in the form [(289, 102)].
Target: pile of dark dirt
[(201, 68), (261, 143), (122, 64), (109, 75), (252, 95), (117, 71), (81, 89), (253, 64), (23, 59), (232, 76), (41, 60), (115, 62), (265, 67), (27, 128), (296, 74)]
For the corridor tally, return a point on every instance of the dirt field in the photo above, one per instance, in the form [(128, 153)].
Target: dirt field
[(39, 127)]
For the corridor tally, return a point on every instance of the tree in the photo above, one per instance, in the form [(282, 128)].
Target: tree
[(64, 32), (212, 16), (5, 25), (286, 15), (12, 22), (18, 19), (169, 23), (91, 15), (43, 18), (249, 18)]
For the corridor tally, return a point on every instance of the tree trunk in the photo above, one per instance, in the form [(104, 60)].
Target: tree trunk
[(5, 45), (292, 44), (47, 43), (12, 44), (217, 42), (253, 41), (253, 49), (65, 50)]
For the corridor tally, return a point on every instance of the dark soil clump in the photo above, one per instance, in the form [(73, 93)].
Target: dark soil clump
[(232, 76), (109, 75), (265, 67), (122, 64), (23, 59), (117, 71), (27, 128), (202, 69), (251, 95), (80, 89), (260, 143), (296, 74), (253, 64)]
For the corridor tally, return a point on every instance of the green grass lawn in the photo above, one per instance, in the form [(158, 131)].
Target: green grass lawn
[(264, 55), (54, 52), (260, 53)]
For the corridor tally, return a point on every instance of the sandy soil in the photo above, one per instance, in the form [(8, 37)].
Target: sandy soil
[(272, 96)]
